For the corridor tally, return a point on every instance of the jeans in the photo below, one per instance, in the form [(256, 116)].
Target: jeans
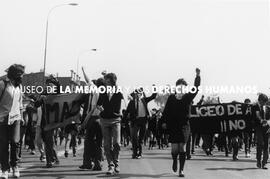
[(93, 143), (39, 141), (9, 135), (48, 139), (22, 136), (138, 129), (111, 129), (262, 145)]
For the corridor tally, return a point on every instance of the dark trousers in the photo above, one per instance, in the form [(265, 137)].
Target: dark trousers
[(235, 145), (30, 137), (138, 129), (9, 134), (48, 138), (22, 134), (93, 143), (262, 145), (208, 142), (188, 146), (247, 141)]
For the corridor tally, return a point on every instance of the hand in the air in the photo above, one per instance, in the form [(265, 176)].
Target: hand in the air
[(198, 71)]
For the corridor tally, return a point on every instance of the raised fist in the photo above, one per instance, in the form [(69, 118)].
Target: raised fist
[(198, 71)]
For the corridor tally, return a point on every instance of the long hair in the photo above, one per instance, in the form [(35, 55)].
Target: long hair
[(15, 71)]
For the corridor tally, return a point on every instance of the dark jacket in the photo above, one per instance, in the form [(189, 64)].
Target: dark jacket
[(132, 109), (111, 107), (176, 115)]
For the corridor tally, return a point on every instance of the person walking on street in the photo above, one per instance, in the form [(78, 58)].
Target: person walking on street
[(11, 108), (110, 106), (176, 117)]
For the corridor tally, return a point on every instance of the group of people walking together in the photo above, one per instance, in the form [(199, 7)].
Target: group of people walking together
[(101, 122)]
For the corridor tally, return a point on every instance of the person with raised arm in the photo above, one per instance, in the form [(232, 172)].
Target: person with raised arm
[(93, 139), (176, 121)]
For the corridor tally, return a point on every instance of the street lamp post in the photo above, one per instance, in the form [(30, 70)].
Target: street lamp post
[(46, 36), (81, 53)]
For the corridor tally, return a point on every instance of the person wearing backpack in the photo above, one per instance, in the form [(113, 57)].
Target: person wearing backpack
[(11, 107)]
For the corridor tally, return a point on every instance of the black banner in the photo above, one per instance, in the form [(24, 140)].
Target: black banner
[(221, 118)]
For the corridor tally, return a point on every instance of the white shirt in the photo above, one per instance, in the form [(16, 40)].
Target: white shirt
[(15, 111), (93, 99), (39, 114), (141, 109)]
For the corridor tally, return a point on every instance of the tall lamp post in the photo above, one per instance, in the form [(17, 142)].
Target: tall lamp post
[(80, 54), (46, 37)]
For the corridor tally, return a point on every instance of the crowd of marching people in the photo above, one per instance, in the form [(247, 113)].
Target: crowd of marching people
[(105, 127)]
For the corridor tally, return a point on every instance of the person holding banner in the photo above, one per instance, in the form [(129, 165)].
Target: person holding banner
[(48, 135), (176, 118), (262, 132), (93, 138), (110, 106), (11, 109)]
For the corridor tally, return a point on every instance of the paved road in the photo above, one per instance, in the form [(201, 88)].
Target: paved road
[(154, 164)]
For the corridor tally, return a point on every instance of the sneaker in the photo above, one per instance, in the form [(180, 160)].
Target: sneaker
[(4, 175), (117, 169), (139, 156), (110, 171), (181, 173), (264, 166), (33, 152), (259, 165), (42, 158), (174, 166), (16, 172), (84, 167)]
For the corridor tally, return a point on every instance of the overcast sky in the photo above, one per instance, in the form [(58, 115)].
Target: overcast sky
[(143, 41)]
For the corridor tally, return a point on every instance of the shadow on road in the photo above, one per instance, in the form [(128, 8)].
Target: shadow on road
[(222, 160), (127, 175), (232, 169), (58, 174)]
